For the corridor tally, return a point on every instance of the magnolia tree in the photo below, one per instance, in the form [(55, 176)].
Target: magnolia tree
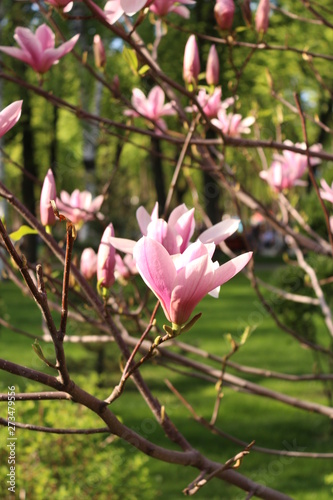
[(263, 177)]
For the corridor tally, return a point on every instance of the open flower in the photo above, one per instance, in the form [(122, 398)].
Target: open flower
[(327, 191), (182, 281), (9, 116), (152, 106), (175, 234), (163, 7), (79, 206), (233, 124), (211, 103), (37, 49), (48, 193), (286, 169)]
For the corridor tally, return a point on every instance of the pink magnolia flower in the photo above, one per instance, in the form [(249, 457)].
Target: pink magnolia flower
[(262, 16), (213, 67), (37, 49), (152, 106), (224, 11), (79, 206), (106, 260), (99, 52), (191, 63), (175, 234), (9, 116), (211, 103), (114, 9), (48, 193), (182, 281), (88, 263), (66, 5), (233, 124), (327, 191), (163, 7), (286, 169)]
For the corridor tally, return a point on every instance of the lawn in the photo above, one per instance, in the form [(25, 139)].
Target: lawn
[(81, 467)]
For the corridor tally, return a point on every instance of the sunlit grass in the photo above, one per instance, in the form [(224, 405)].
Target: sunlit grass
[(269, 423)]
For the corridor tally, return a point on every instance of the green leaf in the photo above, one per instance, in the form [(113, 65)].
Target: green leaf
[(131, 59), (144, 69), (38, 350), (22, 231)]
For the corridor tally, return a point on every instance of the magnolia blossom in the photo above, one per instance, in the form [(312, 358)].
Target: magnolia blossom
[(213, 67), (233, 124), (180, 282), (163, 7), (106, 259), (66, 5), (48, 193), (114, 9), (286, 169), (327, 191), (191, 62), (88, 263), (152, 106), (37, 49), (79, 206), (262, 16), (175, 234), (9, 116), (211, 103), (224, 11)]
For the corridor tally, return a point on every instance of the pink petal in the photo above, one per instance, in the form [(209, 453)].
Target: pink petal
[(156, 269), (30, 44), (193, 282), (219, 232), (19, 54), (156, 98), (228, 270), (143, 218), (123, 244), (52, 56), (160, 231), (9, 116), (131, 7), (45, 36), (113, 11)]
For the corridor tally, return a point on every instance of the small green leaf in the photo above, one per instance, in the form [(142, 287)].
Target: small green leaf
[(143, 70), (38, 350), (131, 58), (22, 231)]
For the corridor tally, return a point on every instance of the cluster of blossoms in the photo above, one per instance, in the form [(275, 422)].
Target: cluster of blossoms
[(287, 169)]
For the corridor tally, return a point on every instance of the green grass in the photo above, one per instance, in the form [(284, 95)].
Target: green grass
[(268, 422)]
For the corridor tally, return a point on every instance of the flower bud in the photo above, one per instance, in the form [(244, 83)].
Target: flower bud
[(191, 65), (99, 52), (213, 67), (262, 16), (48, 193), (106, 259), (224, 13), (88, 263)]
